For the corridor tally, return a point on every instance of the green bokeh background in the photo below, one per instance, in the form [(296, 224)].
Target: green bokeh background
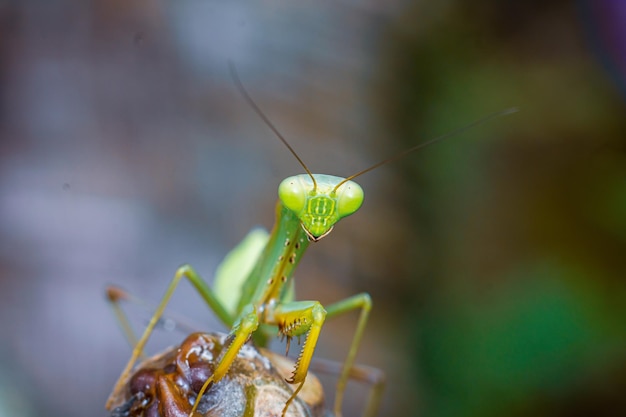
[(521, 306)]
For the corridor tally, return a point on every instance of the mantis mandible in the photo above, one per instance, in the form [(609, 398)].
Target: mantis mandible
[(257, 301)]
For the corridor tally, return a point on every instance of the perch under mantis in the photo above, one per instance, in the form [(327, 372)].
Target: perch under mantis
[(258, 302)]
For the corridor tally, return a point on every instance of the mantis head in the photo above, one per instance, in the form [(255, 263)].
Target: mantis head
[(320, 201)]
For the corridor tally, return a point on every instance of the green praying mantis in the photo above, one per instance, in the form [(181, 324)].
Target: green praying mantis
[(253, 289)]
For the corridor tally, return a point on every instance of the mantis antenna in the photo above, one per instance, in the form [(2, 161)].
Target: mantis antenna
[(427, 143), (246, 96), (402, 154)]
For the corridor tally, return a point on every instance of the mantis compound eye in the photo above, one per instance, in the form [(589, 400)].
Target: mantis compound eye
[(349, 198), (293, 193)]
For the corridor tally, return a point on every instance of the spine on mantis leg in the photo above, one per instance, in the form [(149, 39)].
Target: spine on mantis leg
[(297, 319)]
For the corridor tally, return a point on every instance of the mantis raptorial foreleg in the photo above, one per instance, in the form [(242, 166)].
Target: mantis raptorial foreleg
[(295, 319), (306, 317), (243, 328), (308, 314)]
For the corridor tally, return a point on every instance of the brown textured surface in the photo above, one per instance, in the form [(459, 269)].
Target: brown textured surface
[(167, 384)]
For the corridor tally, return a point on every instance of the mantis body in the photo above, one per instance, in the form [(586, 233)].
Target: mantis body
[(308, 207), (257, 302), (307, 210)]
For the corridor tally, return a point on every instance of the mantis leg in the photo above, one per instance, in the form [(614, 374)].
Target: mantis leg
[(243, 328), (206, 293), (298, 318), (364, 303), (307, 317), (116, 296)]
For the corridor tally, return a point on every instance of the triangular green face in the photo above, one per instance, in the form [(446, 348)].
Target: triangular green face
[(319, 206)]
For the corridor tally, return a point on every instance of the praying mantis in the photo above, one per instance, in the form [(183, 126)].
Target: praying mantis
[(253, 289)]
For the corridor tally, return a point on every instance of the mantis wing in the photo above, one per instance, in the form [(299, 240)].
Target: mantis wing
[(232, 272)]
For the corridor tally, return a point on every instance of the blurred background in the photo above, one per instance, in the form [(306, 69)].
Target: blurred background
[(495, 259)]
